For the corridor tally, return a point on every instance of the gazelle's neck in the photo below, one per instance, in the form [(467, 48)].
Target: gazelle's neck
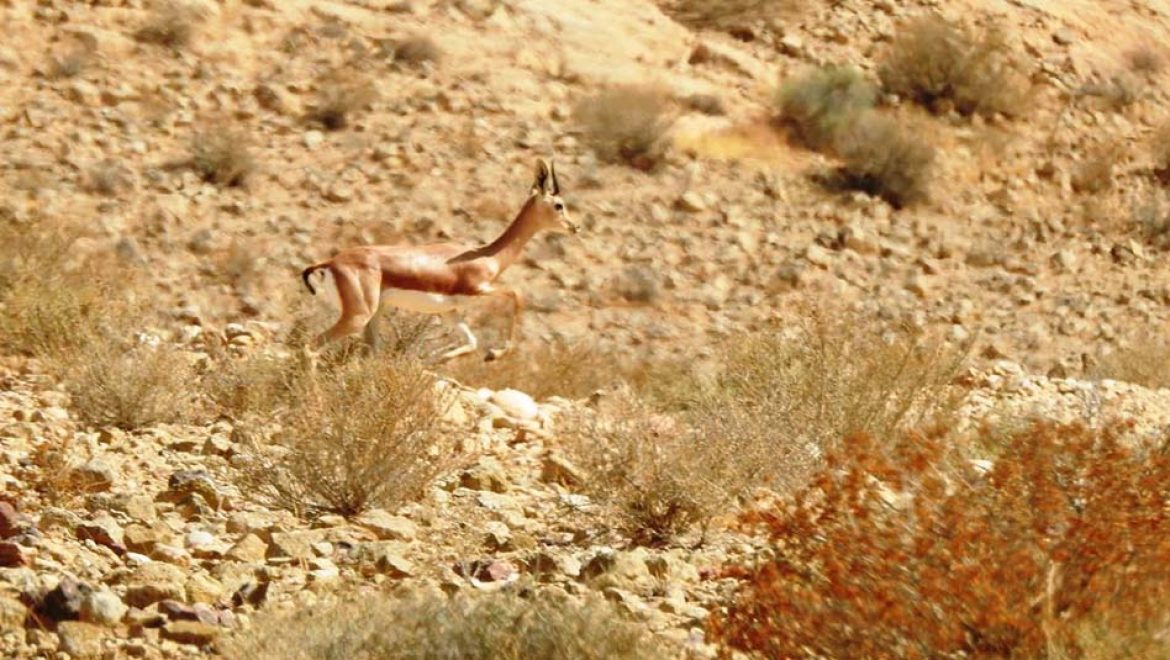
[(507, 248)]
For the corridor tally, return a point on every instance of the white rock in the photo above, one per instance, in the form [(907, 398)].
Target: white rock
[(516, 404)]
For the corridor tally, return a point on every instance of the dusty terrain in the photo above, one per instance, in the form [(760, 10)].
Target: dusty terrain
[(731, 234)]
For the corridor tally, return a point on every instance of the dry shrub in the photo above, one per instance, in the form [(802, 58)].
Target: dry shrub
[(1151, 217), (884, 159), (894, 549), (779, 402), (55, 301), (1094, 174), (255, 386), (1143, 360), (106, 177), (222, 155), (798, 393), (816, 106), (660, 479), (130, 389), (339, 95), (730, 14), (416, 51), (498, 626), (627, 124), (171, 23), (1160, 150), (1146, 59), (364, 434), (943, 65), (707, 104), (74, 59)]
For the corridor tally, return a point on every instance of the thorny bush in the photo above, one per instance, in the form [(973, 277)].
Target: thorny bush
[(900, 550)]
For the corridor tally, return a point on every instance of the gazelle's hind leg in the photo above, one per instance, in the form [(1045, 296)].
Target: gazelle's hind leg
[(359, 294)]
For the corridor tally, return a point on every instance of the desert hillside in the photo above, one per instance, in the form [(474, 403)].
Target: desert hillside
[(861, 347)]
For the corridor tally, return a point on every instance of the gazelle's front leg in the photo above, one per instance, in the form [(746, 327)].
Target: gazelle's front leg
[(469, 345), (513, 321)]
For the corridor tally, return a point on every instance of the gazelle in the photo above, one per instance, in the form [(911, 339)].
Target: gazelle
[(441, 277)]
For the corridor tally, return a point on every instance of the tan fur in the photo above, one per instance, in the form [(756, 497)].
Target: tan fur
[(361, 274)]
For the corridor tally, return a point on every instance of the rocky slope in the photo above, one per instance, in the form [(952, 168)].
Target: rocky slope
[(157, 553)]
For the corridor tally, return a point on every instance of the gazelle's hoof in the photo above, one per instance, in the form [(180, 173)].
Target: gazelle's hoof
[(496, 353)]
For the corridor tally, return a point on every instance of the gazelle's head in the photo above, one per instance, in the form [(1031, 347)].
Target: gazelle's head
[(547, 204)]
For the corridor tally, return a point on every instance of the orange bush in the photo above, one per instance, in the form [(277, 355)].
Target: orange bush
[(1060, 550)]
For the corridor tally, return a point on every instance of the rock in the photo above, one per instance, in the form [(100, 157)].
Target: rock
[(195, 633), (250, 549), (80, 640), (487, 475), (154, 582), (792, 45), (387, 527), (549, 566), (198, 482), (1063, 36), (84, 93), (498, 537), (516, 404), (313, 139), (103, 607), (176, 611), (818, 256), (141, 508), (63, 602), (557, 469), (12, 613), (691, 202), (198, 539), (623, 570), (202, 588), (13, 554), (140, 538), (293, 545), (488, 571), (95, 475), (103, 530), (10, 521)]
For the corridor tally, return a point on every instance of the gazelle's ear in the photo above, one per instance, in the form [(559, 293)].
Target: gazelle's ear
[(554, 185), (543, 172)]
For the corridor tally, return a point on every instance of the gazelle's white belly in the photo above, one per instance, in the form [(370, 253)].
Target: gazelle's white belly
[(422, 301)]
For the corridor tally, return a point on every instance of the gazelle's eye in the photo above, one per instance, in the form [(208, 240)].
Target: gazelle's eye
[(559, 206)]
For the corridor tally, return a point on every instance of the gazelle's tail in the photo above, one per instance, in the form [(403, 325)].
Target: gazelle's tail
[(309, 271)]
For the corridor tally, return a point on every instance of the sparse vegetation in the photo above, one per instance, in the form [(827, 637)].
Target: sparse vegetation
[(254, 386), (57, 302), (72, 61), (884, 159), (943, 66), (497, 626), (222, 155), (818, 105), (1142, 360), (660, 478), (1146, 59), (171, 23), (107, 178), (895, 547), (730, 14), (415, 51), (339, 95), (1117, 92), (364, 434), (627, 124), (779, 403), (1094, 174), (129, 389), (1160, 148)]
